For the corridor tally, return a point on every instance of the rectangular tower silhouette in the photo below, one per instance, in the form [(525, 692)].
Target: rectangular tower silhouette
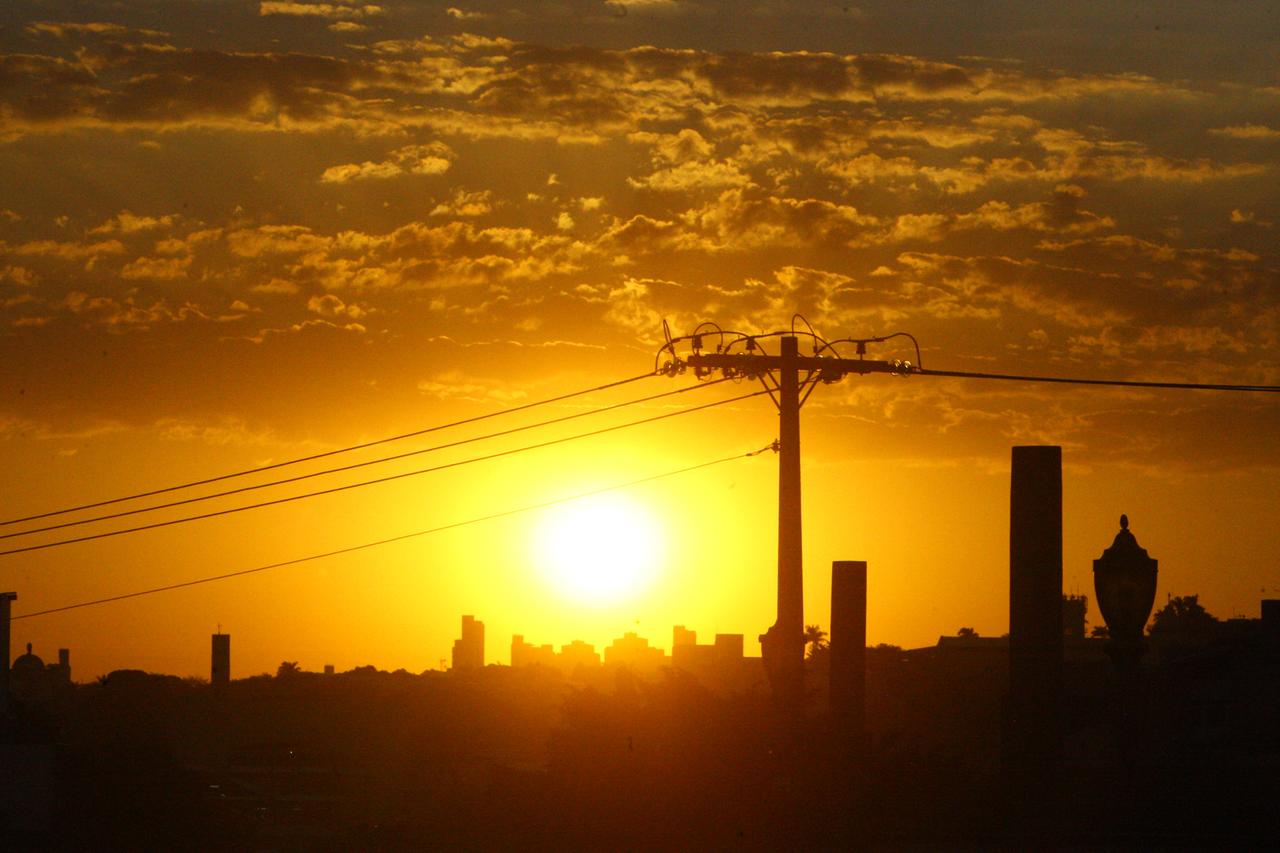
[(468, 651), (1033, 729), (849, 645), (220, 669)]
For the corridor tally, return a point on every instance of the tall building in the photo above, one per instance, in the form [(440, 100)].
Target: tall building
[(1074, 610), (220, 669), (527, 654), (728, 649), (578, 654), (468, 650), (635, 651)]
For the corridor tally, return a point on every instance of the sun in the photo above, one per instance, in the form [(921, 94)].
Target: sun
[(599, 550)]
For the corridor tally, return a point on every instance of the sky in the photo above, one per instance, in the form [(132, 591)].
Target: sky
[(237, 233)]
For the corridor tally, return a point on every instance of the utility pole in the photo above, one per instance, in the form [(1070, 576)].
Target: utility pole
[(789, 377), (5, 599)]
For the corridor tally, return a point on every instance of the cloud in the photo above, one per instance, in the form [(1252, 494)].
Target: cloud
[(319, 10), (431, 159), (20, 276), (276, 286), (739, 220), (332, 307), (157, 268), (129, 223), (1248, 131), (128, 315), (464, 15), (70, 251), (465, 204), (65, 29)]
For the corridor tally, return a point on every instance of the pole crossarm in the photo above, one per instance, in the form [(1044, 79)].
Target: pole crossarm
[(825, 368)]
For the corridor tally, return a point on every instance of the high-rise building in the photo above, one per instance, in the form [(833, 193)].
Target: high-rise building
[(1074, 610), (635, 651), (527, 654), (578, 654), (728, 648), (468, 650), (220, 669)]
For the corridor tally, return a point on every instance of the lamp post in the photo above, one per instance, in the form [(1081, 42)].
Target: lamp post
[(1124, 580)]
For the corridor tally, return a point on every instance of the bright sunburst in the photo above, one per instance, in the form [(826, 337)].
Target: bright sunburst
[(599, 550)]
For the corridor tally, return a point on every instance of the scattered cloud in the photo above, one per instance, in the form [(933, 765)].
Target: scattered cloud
[(1248, 131), (339, 10), (431, 159)]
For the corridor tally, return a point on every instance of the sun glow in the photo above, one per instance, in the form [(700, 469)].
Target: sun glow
[(600, 550)]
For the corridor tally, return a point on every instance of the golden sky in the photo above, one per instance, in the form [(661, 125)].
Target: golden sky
[(234, 233)]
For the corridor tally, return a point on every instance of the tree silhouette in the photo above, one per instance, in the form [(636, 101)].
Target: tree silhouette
[(1182, 617), (966, 632), (288, 669), (816, 639)]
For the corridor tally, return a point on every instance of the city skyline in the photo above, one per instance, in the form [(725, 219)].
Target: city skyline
[(239, 233)]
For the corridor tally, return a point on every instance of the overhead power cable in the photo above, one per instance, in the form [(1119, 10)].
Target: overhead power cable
[(353, 548), (364, 464), (387, 479), (327, 453), (1124, 383)]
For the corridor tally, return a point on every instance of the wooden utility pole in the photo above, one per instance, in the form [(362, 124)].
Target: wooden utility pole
[(5, 599), (790, 378)]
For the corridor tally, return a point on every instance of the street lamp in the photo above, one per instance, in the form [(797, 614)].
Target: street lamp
[(1124, 580)]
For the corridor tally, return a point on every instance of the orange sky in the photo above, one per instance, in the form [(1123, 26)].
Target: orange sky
[(234, 233)]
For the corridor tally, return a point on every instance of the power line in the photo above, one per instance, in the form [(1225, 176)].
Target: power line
[(378, 480), (353, 548), (327, 453), (1129, 383), (364, 464)]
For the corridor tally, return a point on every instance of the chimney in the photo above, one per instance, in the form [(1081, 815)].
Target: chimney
[(848, 675), (1033, 734)]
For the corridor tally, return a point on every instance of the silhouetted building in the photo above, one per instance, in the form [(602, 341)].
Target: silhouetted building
[(220, 666), (468, 650), (524, 654), (720, 665), (634, 651), (687, 655), (32, 680), (578, 654), (328, 669), (1074, 610), (728, 648)]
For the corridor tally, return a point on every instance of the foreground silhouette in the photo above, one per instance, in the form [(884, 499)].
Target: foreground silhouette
[(499, 757)]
